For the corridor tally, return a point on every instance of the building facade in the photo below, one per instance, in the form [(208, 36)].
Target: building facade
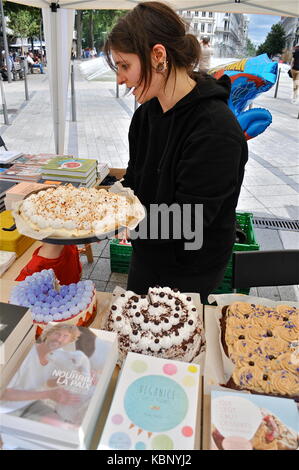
[(291, 29), (228, 32)]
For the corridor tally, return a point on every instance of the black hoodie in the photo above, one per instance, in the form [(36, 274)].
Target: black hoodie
[(194, 153)]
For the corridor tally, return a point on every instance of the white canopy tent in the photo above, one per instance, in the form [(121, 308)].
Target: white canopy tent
[(58, 20)]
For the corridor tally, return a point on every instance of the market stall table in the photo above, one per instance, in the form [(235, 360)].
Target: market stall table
[(103, 304)]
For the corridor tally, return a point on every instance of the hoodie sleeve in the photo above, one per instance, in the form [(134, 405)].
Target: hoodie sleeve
[(129, 179), (209, 172)]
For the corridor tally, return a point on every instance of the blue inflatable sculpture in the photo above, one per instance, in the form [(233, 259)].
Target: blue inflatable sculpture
[(249, 78)]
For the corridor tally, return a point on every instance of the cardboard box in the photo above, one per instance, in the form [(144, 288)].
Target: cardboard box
[(117, 172)]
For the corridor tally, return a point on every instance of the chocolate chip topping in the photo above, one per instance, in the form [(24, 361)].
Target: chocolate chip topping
[(285, 319), (122, 295), (166, 320), (241, 337), (135, 299), (177, 309), (175, 289), (269, 333), (157, 322), (162, 294), (156, 304), (189, 299), (118, 318), (143, 296), (157, 341), (170, 297), (177, 302), (190, 322), (251, 363), (177, 333), (194, 309), (265, 377), (146, 320), (271, 357), (114, 307), (137, 314), (135, 332), (176, 315)]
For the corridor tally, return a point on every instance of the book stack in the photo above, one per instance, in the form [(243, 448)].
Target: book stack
[(26, 168), (155, 406), (8, 156), (17, 334), (54, 399), (18, 191), (4, 187), (71, 170), (103, 171)]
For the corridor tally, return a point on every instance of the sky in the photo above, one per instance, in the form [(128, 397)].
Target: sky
[(259, 26)]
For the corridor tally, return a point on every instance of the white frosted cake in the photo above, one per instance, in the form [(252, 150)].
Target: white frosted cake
[(164, 323), (68, 211)]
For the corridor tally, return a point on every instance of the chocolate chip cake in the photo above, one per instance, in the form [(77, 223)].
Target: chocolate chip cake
[(262, 342), (164, 323)]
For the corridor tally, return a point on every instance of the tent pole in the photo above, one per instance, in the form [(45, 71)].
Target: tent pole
[(74, 117), (5, 42), (4, 107)]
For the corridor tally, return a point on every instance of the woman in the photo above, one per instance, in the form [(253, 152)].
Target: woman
[(186, 148), (206, 52), (295, 74)]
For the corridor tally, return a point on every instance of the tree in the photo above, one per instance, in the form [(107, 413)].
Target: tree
[(24, 25), (250, 48), (275, 41), (96, 25)]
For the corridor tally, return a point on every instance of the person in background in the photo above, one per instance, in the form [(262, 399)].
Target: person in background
[(30, 61), (295, 74), (206, 53), (186, 149), (63, 259)]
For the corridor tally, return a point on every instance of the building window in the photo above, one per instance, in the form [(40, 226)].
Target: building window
[(188, 13), (209, 28), (203, 13), (196, 13), (195, 26), (210, 14), (202, 27)]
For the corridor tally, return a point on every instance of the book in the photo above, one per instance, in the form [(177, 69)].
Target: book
[(5, 186), (15, 322), (26, 168), (6, 260), (71, 179), (21, 172), (243, 421), (20, 190), (154, 406), (57, 392), (8, 370), (8, 156), (76, 167)]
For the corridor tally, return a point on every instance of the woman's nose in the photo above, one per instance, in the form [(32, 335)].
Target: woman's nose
[(120, 79)]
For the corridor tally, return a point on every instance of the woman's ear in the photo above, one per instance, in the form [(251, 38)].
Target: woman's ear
[(158, 54)]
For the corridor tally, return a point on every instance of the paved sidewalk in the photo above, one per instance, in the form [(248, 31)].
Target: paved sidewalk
[(271, 180)]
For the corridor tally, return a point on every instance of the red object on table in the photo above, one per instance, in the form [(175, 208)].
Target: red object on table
[(67, 266)]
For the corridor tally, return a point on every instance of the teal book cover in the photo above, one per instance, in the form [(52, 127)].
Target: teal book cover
[(154, 406)]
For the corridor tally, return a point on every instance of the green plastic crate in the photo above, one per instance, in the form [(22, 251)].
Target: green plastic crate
[(120, 256), (245, 221)]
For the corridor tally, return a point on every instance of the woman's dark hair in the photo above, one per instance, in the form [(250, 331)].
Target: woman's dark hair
[(151, 23)]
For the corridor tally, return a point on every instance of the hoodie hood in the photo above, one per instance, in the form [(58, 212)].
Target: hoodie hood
[(207, 88)]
